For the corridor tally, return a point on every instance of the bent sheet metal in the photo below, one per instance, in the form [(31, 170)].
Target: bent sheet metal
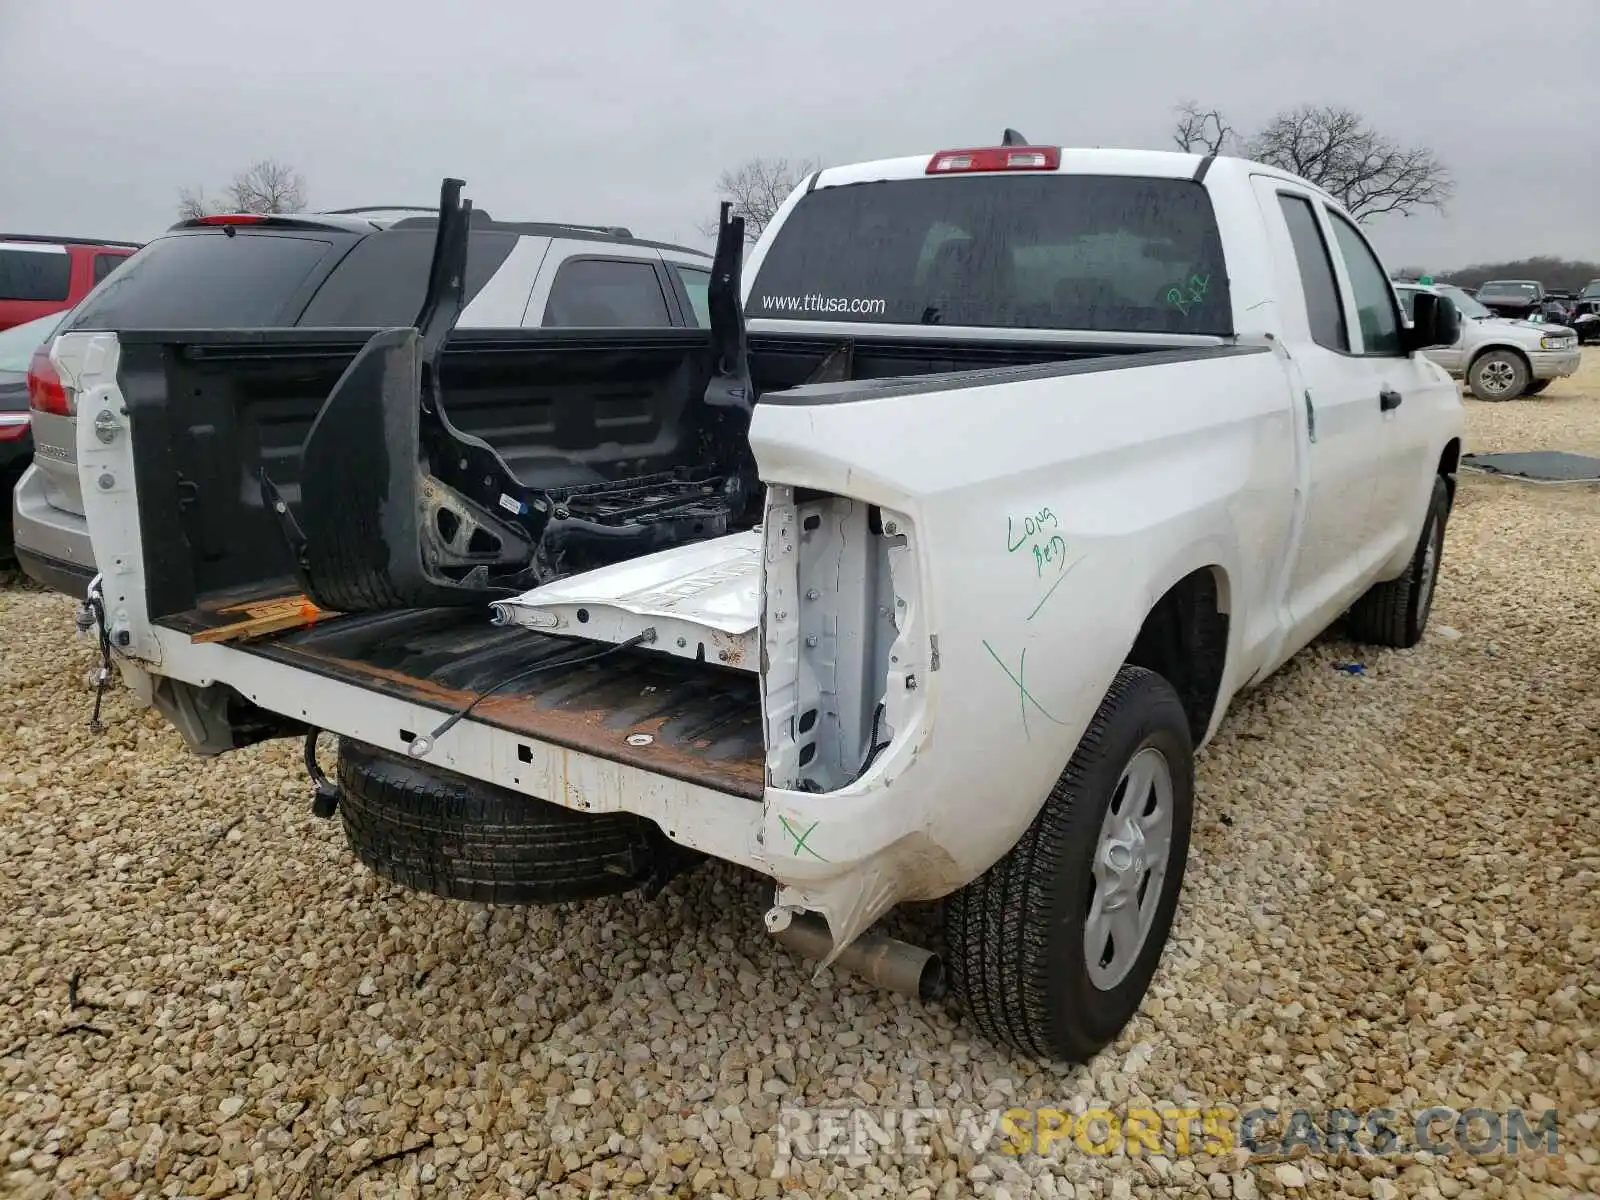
[(703, 600)]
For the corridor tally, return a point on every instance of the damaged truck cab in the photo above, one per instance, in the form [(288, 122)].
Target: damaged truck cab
[(919, 576)]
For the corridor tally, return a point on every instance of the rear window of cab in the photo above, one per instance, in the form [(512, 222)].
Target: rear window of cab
[(1048, 251)]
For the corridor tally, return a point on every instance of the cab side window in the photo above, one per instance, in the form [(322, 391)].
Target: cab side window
[(1323, 308), (1374, 295)]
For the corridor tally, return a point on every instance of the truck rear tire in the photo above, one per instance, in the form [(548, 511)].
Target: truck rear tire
[(1395, 613), (1032, 951), (457, 837)]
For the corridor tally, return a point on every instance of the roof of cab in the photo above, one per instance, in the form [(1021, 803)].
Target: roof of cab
[(1159, 164), (1171, 164)]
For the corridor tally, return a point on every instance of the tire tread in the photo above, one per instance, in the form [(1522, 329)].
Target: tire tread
[(466, 840), (997, 927), (1383, 615)]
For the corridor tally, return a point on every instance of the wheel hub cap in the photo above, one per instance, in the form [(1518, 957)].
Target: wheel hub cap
[(1498, 376), (1129, 868)]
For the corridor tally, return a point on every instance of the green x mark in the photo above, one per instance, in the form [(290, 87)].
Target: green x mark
[(1024, 696), (800, 838)]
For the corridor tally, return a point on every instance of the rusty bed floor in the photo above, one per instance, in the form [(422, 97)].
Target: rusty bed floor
[(704, 721)]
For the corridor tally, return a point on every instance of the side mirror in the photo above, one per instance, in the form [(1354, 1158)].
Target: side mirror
[(1434, 322)]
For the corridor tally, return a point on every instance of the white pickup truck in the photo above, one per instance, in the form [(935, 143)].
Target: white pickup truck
[(920, 575)]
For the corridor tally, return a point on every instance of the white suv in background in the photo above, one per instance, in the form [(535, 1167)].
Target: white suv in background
[(363, 268), (1501, 358)]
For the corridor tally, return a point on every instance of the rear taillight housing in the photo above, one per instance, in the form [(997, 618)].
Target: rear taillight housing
[(229, 219), (995, 158), (46, 392)]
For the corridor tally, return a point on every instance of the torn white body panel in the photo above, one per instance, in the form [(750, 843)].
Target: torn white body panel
[(1013, 568), (703, 600)]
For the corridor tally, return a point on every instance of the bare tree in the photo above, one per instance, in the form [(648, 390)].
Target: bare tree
[(267, 186), (1334, 148), (1368, 173), (757, 190), (192, 203), (1202, 131)]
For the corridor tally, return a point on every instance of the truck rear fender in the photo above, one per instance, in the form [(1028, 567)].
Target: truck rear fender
[(943, 616)]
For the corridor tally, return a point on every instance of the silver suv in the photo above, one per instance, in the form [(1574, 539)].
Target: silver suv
[(1500, 358), (353, 268)]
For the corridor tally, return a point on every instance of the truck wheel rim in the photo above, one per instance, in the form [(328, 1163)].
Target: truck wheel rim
[(1430, 568), (1129, 868), (1498, 375)]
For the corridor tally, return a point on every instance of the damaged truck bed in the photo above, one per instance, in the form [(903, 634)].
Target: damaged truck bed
[(645, 710)]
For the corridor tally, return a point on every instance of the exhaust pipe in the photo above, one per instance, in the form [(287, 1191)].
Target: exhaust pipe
[(885, 961)]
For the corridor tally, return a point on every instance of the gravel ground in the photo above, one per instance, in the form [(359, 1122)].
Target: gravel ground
[(1392, 901), (1562, 417)]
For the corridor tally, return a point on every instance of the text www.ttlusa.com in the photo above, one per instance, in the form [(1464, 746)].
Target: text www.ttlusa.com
[(817, 303)]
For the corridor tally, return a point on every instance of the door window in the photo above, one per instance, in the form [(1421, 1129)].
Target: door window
[(1323, 308), (1375, 302), (698, 284), (104, 264), (598, 293), (30, 272), (384, 280)]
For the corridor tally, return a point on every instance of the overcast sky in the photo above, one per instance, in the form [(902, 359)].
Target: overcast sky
[(625, 112)]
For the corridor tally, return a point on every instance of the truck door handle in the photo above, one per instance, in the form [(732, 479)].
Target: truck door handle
[(1389, 399)]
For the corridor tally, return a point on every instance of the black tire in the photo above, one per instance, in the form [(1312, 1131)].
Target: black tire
[(1395, 613), (1537, 386), (439, 832), (1498, 375), (1015, 935)]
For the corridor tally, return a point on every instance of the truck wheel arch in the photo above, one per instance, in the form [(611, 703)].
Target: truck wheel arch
[(1494, 347), (1449, 464), (1184, 639)]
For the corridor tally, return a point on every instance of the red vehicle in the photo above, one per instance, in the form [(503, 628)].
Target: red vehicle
[(43, 275)]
